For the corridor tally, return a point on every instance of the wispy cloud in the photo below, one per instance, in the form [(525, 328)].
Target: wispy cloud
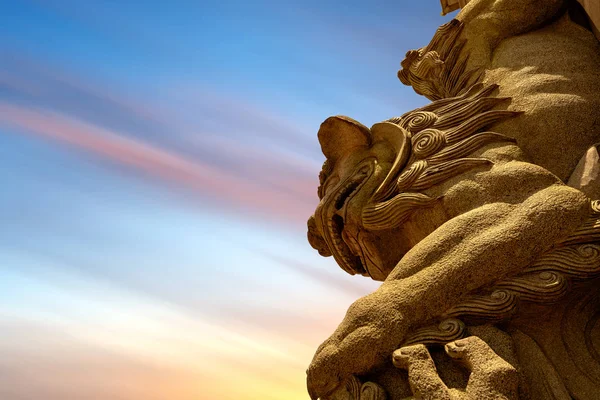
[(186, 117), (217, 184), (140, 340), (353, 287), (226, 148)]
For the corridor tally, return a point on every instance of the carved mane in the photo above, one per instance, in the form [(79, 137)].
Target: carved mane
[(442, 136), (547, 280), (483, 262), (438, 70)]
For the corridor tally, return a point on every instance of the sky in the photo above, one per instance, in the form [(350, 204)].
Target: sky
[(159, 162)]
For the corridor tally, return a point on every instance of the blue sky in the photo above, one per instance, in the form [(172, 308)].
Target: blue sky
[(160, 161)]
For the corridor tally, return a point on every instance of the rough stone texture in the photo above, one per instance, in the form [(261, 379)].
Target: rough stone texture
[(489, 260), (591, 8)]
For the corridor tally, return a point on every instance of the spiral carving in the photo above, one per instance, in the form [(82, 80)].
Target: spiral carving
[(545, 281), (496, 306), (427, 142), (447, 331), (354, 389), (589, 252), (419, 120), (578, 262), (353, 385), (372, 391), (437, 155), (539, 287), (408, 177)]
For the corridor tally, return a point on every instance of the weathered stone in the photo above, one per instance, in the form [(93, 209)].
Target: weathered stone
[(489, 260)]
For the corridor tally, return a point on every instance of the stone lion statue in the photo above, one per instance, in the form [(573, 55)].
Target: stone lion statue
[(476, 212)]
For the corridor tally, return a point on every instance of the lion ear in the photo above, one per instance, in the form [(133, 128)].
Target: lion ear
[(399, 140), (391, 133), (340, 135)]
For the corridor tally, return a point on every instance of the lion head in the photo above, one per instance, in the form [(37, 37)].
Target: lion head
[(373, 180)]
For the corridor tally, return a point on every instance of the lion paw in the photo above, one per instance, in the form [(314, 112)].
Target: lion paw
[(462, 349), (405, 356), (479, 357), (491, 376), (423, 378)]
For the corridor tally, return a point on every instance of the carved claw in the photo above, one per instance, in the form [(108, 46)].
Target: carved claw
[(399, 359), (456, 349), (404, 356)]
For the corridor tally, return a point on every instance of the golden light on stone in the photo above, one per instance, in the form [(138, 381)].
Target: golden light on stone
[(485, 230)]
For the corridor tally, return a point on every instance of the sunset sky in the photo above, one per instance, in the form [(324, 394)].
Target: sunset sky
[(160, 161)]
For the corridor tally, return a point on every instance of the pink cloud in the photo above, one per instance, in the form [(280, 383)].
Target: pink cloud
[(180, 122), (214, 183)]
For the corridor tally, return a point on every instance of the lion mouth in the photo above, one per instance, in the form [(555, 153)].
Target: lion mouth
[(341, 251), (338, 238)]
